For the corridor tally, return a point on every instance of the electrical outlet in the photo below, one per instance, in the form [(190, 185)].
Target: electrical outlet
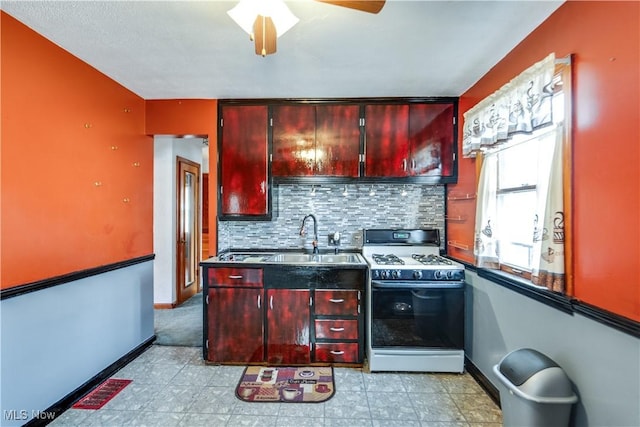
[(334, 239)]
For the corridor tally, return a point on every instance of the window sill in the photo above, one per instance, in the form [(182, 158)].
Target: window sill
[(528, 289)]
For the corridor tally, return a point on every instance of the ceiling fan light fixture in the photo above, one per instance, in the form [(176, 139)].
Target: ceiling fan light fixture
[(246, 12)]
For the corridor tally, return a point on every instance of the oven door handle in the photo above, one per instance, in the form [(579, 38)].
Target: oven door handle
[(416, 285)]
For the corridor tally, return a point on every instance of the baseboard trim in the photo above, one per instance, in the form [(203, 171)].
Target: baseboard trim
[(165, 306), (66, 402), (482, 380)]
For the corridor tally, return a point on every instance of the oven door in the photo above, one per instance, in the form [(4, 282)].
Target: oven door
[(417, 315)]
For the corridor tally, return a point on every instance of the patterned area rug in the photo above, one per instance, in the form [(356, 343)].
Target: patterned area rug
[(284, 384), (100, 395)]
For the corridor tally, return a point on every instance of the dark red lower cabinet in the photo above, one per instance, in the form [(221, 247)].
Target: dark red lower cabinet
[(288, 317), (235, 325)]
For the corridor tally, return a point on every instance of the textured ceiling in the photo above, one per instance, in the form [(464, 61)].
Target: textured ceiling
[(192, 49)]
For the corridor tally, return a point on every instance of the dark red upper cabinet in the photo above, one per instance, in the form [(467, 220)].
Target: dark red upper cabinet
[(410, 140), (245, 190), (294, 140), (431, 139), (387, 140), (316, 141)]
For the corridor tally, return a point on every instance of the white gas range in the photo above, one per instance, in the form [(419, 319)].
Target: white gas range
[(415, 316)]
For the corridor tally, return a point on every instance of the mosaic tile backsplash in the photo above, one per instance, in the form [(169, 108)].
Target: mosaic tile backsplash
[(347, 212)]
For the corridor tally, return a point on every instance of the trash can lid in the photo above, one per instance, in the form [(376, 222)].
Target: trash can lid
[(519, 365)]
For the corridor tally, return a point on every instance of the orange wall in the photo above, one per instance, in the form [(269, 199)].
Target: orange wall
[(60, 120), (604, 37), (190, 117)]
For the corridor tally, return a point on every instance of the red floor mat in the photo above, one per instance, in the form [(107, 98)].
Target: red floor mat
[(100, 395)]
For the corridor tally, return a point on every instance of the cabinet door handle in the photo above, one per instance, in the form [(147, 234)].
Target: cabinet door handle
[(337, 352), (259, 301), (233, 276), (337, 301), (271, 302), (332, 329), (404, 165)]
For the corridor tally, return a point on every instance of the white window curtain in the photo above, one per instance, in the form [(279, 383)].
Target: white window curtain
[(522, 105), (486, 246), (549, 235)]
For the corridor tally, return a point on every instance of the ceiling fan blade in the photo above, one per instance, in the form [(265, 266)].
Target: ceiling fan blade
[(265, 35), (371, 6)]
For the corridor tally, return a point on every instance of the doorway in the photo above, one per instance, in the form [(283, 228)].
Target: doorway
[(188, 229)]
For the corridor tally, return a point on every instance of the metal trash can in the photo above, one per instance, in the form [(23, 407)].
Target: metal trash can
[(538, 392)]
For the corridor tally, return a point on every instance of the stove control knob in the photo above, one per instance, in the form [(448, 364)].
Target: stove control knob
[(451, 274), (439, 275), (384, 274), (417, 274), (395, 274)]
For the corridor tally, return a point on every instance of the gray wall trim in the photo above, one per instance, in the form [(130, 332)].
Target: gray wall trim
[(71, 277)]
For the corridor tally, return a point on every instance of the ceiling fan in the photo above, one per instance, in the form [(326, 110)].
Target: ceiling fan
[(263, 30)]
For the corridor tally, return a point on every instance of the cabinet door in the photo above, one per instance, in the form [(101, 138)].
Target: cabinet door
[(244, 184), (235, 325), (337, 140), (431, 139), (288, 317), (316, 140), (294, 128), (386, 140)]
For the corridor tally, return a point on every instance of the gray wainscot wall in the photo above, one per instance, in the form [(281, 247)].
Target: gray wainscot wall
[(602, 363), (56, 339)]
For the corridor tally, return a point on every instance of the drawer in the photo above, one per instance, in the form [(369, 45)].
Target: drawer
[(337, 302), (230, 276), (336, 329), (337, 352)]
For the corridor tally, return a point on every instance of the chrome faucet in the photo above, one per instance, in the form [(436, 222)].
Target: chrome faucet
[(315, 231)]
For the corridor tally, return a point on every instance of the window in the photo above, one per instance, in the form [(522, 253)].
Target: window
[(522, 190)]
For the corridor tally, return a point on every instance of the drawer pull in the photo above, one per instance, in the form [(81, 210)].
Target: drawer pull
[(337, 352), (259, 301), (336, 329), (235, 276), (337, 301)]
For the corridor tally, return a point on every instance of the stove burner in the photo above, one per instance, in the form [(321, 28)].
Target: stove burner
[(431, 259), (388, 259)]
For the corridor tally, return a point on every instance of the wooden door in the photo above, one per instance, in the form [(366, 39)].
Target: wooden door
[(188, 229), (386, 140), (244, 177), (337, 140), (235, 325), (288, 329)]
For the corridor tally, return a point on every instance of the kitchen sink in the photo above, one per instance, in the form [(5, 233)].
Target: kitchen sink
[(317, 258)]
